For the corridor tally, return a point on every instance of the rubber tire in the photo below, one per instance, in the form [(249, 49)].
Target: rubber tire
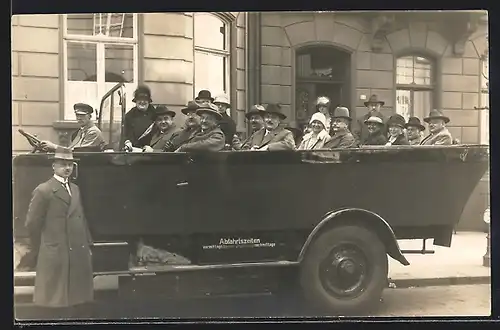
[(374, 250)]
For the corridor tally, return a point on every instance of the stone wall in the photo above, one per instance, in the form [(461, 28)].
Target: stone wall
[(36, 69)]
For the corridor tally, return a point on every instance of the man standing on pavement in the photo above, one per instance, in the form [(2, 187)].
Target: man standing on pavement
[(89, 136), (373, 104), (139, 121), (226, 124), (56, 222)]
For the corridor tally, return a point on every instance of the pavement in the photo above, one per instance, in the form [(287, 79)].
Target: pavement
[(460, 264)]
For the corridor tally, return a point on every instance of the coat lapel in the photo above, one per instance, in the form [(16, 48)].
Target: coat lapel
[(74, 198), (267, 138), (60, 192), (156, 137)]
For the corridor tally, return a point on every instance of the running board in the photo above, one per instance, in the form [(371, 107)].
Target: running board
[(422, 251)]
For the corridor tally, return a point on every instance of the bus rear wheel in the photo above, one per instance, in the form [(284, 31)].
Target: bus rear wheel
[(345, 270)]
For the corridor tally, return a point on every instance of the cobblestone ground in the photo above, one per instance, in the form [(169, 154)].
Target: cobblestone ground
[(466, 300)]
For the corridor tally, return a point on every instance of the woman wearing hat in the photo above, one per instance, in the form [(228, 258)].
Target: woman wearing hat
[(139, 120), (438, 133), (210, 137), (397, 137), (376, 132), (323, 106), (318, 136), (163, 129), (414, 131), (341, 136), (255, 118)]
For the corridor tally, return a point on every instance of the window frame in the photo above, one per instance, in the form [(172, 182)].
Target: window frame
[(100, 42), (484, 108), (225, 54), (412, 88)]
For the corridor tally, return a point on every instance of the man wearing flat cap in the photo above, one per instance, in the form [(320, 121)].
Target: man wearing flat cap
[(163, 129), (272, 136), (59, 232), (374, 105), (210, 137), (438, 133), (255, 118), (88, 137), (190, 128), (139, 120), (414, 131)]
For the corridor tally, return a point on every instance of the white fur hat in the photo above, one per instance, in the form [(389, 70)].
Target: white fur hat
[(319, 117)]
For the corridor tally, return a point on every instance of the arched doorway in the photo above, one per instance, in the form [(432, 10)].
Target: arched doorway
[(321, 71)]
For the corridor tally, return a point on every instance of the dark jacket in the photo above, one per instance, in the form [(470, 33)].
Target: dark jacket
[(343, 139), (401, 140), (228, 127), (157, 140), (212, 140), (136, 123), (360, 131), (181, 137), (378, 139)]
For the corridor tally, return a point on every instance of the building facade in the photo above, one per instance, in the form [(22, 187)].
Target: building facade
[(413, 61)]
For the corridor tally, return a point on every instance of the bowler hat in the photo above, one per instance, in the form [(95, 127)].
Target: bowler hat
[(204, 94), (83, 109), (209, 108), (436, 114), (163, 110), (374, 100), (191, 106), (142, 92), (415, 122), (63, 153), (256, 109), (276, 109), (397, 120), (341, 112)]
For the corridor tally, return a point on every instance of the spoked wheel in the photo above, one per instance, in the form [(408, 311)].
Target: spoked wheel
[(345, 270)]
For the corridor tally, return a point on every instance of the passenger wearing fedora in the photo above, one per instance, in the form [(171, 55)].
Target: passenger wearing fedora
[(318, 136), (396, 125), (88, 137), (204, 96), (414, 131), (272, 136), (373, 104), (226, 124), (255, 118), (190, 128), (341, 136), (439, 134), (210, 137), (163, 129), (56, 221), (376, 132), (139, 120)]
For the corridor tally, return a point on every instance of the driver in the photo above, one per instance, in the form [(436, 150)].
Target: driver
[(88, 136)]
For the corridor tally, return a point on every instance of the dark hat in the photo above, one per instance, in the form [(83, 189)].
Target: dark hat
[(209, 108), (163, 110), (340, 112), (276, 109), (63, 153), (396, 120), (415, 122), (436, 114), (374, 99), (142, 92), (83, 109), (204, 94), (190, 107), (256, 109)]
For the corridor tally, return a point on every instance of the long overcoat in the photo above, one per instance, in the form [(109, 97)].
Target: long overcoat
[(64, 275)]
